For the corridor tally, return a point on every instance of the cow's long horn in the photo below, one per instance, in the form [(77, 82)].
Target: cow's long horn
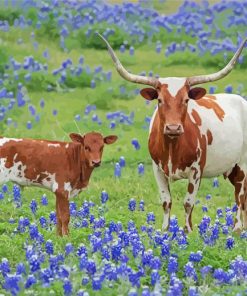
[(218, 75), (124, 73)]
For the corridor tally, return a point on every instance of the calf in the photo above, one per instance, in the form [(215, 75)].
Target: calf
[(62, 167)]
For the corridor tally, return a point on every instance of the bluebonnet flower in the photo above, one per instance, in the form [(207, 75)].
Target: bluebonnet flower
[(172, 266), (104, 197), (205, 270), (53, 218), (34, 263), (219, 213), (155, 277), (67, 287), (1, 195), (150, 217), (147, 257), (195, 257), (155, 263), (91, 267), (11, 283), (136, 144), (220, 275), (193, 291), (225, 229), (132, 204), (33, 206), (165, 248), (44, 200), (203, 226), (33, 231), (5, 188), (69, 248), (176, 287), (189, 271), (96, 283), (234, 208), (204, 208), (230, 243), (49, 247), (31, 280), (46, 276), (72, 208), (122, 162), (140, 169), (4, 266), (117, 170), (229, 219), (17, 195), (82, 292), (20, 268), (43, 222), (215, 183), (81, 250), (173, 225), (141, 205), (208, 196), (85, 280)]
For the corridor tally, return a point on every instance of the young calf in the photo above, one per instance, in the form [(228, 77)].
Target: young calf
[(62, 167)]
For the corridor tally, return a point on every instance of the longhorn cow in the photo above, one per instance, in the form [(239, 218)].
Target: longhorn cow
[(195, 135)]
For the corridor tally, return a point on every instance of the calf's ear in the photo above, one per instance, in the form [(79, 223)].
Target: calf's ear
[(77, 138), (196, 93), (110, 139), (149, 93)]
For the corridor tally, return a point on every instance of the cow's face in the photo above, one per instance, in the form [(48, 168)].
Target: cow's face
[(172, 105), (92, 146)]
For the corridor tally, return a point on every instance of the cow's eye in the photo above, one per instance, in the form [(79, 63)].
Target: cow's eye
[(87, 148), (186, 101), (159, 101)]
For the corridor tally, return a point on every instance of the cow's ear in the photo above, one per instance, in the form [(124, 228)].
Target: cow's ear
[(110, 139), (197, 93), (77, 138), (149, 93)]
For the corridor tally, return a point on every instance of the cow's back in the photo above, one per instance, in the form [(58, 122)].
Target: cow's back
[(223, 119)]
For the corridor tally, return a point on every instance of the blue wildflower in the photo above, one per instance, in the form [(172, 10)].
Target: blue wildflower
[(230, 243), (49, 247), (67, 287), (33, 206), (104, 197), (44, 200), (172, 266), (132, 204), (195, 257), (31, 280)]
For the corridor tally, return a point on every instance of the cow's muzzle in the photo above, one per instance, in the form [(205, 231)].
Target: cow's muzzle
[(173, 130)]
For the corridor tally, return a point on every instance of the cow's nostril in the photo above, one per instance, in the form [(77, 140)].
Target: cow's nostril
[(96, 162), (174, 129)]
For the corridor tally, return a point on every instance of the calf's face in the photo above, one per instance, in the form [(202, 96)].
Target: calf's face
[(93, 145)]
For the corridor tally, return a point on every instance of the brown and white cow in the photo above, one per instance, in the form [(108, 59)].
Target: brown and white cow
[(62, 167), (194, 135)]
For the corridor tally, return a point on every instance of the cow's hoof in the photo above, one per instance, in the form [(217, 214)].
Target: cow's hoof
[(187, 229)]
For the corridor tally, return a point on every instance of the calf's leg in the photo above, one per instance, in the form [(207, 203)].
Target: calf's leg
[(63, 215), (165, 195)]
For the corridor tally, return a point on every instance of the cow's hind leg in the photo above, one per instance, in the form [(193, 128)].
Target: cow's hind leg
[(189, 200), (243, 202), (238, 178), (63, 212), (165, 196)]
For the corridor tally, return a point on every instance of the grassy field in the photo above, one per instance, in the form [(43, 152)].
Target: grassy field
[(106, 96)]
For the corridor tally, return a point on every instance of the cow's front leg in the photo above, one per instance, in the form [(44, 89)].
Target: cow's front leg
[(165, 196), (189, 200), (63, 214)]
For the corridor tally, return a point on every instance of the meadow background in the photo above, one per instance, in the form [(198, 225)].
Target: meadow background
[(56, 77)]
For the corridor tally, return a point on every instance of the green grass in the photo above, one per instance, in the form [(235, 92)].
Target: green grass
[(130, 185)]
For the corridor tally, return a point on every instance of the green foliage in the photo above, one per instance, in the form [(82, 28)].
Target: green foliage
[(3, 59), (93, 41), (83, 80), (49, 28), (9, 14)]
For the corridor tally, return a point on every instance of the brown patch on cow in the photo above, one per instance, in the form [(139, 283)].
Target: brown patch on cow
[(212, 104), (196, 117), (210, 97), (209, 137), (189, 209), (166, 206), (190, 188)]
